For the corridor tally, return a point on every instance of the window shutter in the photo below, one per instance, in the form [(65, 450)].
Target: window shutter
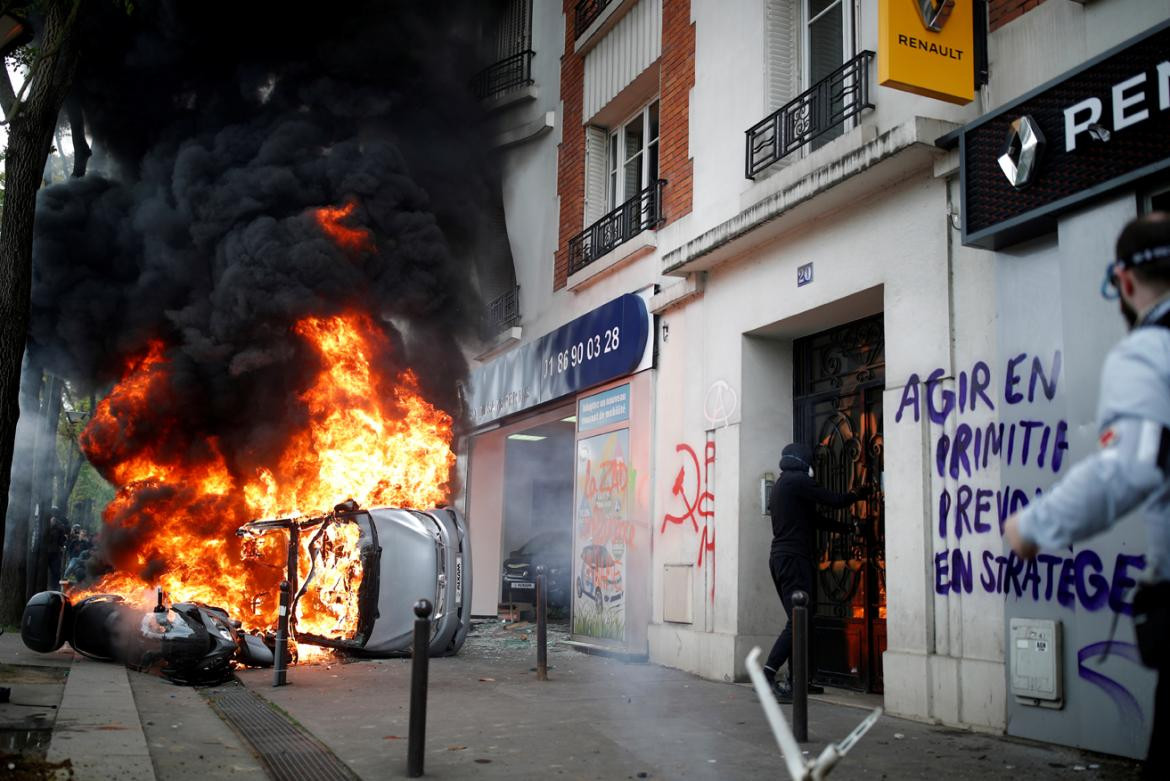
[(781, 24), (595, 139)]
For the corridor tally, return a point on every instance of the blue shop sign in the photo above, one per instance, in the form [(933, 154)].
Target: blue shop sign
[(604, 344)]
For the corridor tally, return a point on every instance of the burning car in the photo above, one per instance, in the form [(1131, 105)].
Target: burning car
[(368, 568)]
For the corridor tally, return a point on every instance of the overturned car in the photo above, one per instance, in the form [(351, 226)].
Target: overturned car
[(405, 555), (356, 573)]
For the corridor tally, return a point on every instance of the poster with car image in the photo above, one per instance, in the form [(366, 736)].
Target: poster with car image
[(603, 533)]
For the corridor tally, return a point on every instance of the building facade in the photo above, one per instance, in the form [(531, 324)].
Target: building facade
[(791, 241)]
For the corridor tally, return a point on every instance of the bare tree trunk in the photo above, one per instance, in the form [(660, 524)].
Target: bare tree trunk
[(81, 150), (45, 466), (29, 137), (14, 569)]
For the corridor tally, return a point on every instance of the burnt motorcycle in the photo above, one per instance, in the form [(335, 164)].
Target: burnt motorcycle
[(188, 642)]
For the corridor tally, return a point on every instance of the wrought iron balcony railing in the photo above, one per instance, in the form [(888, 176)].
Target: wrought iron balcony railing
[(585, 12), (642, 212), (819, 109), (504, 311), (510, 72)]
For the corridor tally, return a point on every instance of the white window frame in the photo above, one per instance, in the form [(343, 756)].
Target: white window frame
[(615, 182), (848, 47)]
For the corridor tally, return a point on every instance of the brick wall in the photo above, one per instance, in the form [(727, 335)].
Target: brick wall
[(571, 152), (676, 78), (1000, 12)]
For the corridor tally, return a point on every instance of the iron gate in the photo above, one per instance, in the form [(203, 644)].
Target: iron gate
[(839, 379)]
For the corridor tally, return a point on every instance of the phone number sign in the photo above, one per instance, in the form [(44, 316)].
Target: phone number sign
[(599, 346)]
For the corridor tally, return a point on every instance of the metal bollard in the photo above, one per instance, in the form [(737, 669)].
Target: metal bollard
[(418, 688), (541, 625), (279, 668), (800, 666)]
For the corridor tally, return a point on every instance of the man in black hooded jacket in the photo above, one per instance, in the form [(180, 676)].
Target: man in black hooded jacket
[(794, 501)]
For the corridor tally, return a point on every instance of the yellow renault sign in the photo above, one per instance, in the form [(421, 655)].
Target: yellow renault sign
[(926, 47)]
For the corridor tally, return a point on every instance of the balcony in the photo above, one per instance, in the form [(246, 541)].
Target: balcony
[(504, 311), (505, 75), (640, 213), (826, 106), (586, 13)]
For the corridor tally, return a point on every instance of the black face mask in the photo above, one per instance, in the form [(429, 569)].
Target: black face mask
[(1128, 312)]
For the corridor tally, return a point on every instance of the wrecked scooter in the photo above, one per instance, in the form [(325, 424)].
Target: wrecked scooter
[(190, 642)]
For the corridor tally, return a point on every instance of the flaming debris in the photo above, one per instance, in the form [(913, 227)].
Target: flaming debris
[(363, 436)]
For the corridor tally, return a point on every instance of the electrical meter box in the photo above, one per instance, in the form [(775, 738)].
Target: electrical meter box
[(1035, 652)]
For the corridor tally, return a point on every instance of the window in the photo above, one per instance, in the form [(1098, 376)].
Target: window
[(828, 44), (1159, 201), (632, 157)]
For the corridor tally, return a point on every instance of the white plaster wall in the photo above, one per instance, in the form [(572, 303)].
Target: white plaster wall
[(1054, 37), (729, 97), (895, 241), (529, 170)]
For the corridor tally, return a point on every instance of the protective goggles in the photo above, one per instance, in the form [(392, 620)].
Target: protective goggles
[(1109, 283)]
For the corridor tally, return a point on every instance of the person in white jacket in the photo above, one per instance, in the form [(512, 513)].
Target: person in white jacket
[(1131, 469)]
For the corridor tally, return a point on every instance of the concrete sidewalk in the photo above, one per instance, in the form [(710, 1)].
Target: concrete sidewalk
[(71, 717), (489, 717), (599, 718)]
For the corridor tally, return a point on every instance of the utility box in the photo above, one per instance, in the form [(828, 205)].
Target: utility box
[(1035, 654)]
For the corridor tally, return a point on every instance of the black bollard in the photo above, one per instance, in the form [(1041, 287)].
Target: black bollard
[(280, 666), (800, 666), (541, 625), (418, 689)]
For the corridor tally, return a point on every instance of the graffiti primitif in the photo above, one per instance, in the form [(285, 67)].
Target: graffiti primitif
[(839, 378)]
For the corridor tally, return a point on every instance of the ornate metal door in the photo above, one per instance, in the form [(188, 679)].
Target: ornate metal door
[(839, 379)]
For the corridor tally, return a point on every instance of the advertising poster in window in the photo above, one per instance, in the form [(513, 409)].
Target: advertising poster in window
[(603, 535)]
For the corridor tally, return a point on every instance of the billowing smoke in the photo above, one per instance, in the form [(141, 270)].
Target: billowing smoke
[(220, 130)]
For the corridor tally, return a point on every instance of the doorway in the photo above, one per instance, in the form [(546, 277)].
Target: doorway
[(839, 378)]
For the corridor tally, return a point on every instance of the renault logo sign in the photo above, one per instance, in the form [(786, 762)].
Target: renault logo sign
[(935, 13), (927, 47), (1021, 151)]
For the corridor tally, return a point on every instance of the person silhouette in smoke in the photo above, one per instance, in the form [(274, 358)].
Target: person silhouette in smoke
[(792, 557)]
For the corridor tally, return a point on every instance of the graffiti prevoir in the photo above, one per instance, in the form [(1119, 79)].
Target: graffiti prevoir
[(605, 535), (1006, 417)]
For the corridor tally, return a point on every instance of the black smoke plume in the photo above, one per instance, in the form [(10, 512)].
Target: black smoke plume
[(219, 129)]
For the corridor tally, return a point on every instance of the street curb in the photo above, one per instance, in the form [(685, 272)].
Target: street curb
[(98, 728)]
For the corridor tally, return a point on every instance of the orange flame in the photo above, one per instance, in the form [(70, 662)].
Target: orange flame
[(369, 437), (352, 239)]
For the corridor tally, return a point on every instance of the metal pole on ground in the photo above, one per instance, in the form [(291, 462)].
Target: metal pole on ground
[(279, 667), (418, 689), (541, 625), (800, 665)]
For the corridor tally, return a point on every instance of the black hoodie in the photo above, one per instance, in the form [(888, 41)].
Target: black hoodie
[(795, 497)]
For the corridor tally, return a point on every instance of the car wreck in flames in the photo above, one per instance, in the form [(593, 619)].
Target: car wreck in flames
[(369, 567), (366, 568)]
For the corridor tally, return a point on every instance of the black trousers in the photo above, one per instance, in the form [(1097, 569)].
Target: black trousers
[(790, 574), (1157, 763)]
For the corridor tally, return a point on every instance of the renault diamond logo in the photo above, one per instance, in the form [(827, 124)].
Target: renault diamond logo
[(1021, 151), (935, 13)]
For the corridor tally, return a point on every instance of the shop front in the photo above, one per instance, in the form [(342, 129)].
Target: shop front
[(559, 474), (1048, 182)]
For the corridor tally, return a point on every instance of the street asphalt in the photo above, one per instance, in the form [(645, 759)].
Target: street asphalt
[(488, 717)]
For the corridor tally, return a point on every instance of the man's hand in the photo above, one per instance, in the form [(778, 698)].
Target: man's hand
[(1024, 548), (864, 491)]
